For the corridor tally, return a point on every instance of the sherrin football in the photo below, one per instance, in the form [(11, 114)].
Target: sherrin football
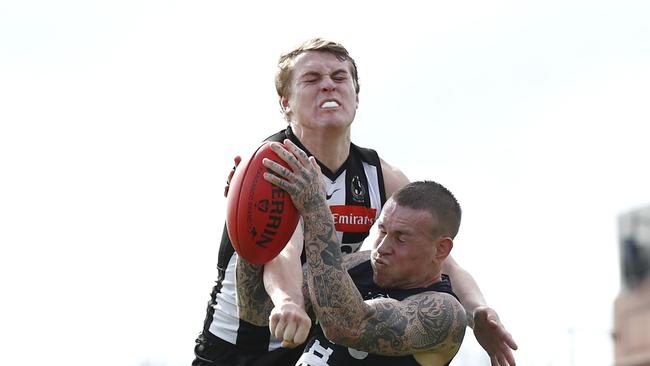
[(260, 217)]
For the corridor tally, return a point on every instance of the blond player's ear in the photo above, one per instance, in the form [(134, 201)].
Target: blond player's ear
[(284, 105)]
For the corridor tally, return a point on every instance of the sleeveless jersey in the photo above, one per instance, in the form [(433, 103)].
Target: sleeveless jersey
[(355, 194), (319, 351)]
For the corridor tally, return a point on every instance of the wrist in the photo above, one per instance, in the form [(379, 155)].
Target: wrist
[(282, 299), (473, 313), (292, 302)]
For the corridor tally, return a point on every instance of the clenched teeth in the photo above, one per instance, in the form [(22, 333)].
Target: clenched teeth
[(329, 104)]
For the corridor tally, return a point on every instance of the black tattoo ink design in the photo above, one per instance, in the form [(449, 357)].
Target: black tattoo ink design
[(254, 303)]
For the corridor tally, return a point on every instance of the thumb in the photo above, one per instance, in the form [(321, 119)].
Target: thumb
[(492, 319)]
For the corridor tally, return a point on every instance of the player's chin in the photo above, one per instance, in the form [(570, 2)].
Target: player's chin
[(380, 280), (335, 118)]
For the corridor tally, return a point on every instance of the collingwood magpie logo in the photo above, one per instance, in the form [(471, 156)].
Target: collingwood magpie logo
[(357, 189)]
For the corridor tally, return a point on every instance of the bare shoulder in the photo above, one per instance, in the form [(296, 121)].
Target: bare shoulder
[(354, 259), (394, 178)]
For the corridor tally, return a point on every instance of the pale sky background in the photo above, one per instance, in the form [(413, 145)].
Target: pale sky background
[(119, 121)]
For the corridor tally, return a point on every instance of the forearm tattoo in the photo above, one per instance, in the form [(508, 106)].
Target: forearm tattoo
[(254, 303), (324, 261)]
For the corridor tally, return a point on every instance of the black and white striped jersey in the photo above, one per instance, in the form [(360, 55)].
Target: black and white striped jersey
[(355, 194)]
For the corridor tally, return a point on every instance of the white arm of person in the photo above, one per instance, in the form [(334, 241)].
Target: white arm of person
[(283, 282)]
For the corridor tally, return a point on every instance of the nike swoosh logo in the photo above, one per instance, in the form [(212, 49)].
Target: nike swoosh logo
[(328, 196)]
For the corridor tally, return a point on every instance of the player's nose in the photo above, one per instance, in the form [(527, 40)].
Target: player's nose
[(384, 245), (327, 84)]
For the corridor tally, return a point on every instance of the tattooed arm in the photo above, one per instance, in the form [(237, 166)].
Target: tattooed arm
[(254, 303), (349, 261), (254, 297), (426, 325)]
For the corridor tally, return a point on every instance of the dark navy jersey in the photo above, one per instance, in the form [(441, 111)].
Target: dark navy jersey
[(319, 351), (355, 194)]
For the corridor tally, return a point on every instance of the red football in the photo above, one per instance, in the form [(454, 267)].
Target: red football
[(260, 217)]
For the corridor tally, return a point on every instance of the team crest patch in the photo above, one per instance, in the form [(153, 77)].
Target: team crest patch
[(357, 189)]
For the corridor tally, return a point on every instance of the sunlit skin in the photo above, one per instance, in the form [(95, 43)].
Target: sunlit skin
[(322, 94), (406, 244)]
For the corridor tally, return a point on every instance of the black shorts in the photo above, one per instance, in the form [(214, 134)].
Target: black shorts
[(211, 350)]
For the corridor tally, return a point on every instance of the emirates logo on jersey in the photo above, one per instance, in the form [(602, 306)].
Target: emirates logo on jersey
[(353, 219)]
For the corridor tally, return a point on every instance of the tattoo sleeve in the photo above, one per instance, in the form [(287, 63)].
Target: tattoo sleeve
[(254, 303)]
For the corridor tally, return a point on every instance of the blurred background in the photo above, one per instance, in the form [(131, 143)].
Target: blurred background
[(119, 121)]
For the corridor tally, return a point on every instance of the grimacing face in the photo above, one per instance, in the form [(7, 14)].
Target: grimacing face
[(322, 92), (404, 252)]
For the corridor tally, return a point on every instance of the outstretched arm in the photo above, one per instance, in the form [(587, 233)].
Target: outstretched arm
[(465, 287)]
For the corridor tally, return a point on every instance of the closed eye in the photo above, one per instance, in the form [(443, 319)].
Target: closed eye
[(340, 76), (311, 77), (381, 230)]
